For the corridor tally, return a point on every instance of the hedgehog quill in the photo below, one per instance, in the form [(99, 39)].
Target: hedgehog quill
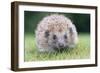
[(55, 32)]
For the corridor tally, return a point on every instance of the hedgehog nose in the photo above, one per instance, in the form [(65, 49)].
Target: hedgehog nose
[(61, 45)]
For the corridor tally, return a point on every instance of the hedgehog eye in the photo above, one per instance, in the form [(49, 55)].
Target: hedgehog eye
[(65, 36), (54, 37), (47, 33)]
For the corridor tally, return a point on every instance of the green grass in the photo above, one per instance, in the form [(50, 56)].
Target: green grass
[(81, 51)]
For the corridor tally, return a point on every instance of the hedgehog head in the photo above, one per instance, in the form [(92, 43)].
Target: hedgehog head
[(58, 40)]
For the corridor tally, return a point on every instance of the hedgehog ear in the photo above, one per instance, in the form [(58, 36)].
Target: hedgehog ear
[(71, 30), (46, 33)]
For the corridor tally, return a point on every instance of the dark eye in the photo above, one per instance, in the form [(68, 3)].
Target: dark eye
[(54, 37), (65, 36), (47, 33)]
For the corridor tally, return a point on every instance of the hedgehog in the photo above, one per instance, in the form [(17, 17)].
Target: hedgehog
[(55, 32)]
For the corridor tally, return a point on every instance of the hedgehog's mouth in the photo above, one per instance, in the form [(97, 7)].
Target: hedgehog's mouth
[(60, 48)]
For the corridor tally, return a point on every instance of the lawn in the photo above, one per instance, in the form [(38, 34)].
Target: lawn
[(81, 51)]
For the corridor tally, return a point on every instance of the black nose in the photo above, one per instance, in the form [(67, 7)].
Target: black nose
[(61, 45)]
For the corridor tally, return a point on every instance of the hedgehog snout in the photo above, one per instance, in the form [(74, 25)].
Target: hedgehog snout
[(61, 45)]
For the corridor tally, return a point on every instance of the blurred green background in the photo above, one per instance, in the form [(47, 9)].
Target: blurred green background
[(81, 51)]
